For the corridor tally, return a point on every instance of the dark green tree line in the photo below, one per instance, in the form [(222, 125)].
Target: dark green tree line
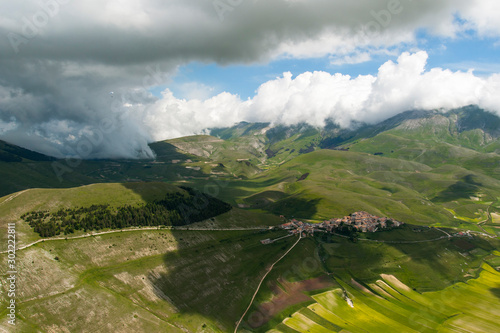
[(175, 209)]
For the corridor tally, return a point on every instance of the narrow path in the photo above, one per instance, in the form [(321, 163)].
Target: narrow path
[(228, 229), (132, 229), (417, 241), (449, 236), (217, 229), (488, 218), (12, 197), (404, 242), (262, 280), (78, 237)]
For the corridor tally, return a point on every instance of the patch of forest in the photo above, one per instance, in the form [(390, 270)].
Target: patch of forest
[(175, 209)]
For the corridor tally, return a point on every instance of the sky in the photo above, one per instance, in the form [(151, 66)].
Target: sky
[(102, 79)]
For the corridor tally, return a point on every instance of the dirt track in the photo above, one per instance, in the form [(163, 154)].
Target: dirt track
[(262, 280)]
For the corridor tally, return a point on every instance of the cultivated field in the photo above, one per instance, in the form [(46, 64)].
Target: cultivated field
[(390, 305)]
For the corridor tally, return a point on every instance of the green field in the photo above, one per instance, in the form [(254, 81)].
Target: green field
[(202, 281), (146, 280)]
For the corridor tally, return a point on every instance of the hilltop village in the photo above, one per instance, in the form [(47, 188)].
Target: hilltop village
[(361, 221)]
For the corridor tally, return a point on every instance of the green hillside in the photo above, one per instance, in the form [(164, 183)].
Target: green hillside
[(202, 278), (92, 266), (437, 172), (340, 182), (52, 200)]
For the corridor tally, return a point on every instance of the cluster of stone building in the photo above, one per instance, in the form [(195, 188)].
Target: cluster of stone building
[(362, 221), (296, 227)]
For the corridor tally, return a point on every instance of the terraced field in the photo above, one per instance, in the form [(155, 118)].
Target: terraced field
[(390, 306)]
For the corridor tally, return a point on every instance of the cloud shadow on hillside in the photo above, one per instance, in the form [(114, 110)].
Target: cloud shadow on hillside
[(295, 206), (462, 189), (214, 273)]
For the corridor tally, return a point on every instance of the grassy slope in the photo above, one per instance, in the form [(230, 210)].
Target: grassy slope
[(425, 267), (465, 163), (197, 281), (342, 182), (145, 281), (96, 283), (453, 180), (13, 206), (17, 176), (248, 149)]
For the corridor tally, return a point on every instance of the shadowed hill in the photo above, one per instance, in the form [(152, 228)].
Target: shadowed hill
[(202, 280), (13, 153), (22, 169)]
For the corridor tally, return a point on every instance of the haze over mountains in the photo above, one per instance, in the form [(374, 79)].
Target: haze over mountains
[(314, 98), (147, 71), (450, 133), (465, 119)]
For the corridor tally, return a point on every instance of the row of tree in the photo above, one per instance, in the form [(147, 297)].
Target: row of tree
[(176, 209)]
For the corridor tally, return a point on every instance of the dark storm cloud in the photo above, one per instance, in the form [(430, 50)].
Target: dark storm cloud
[(123, 33)]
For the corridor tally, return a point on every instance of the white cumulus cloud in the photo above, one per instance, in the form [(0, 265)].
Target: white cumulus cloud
[(314, 97)]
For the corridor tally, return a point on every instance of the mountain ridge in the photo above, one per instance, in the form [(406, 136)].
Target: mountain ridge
[(466, 136)]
